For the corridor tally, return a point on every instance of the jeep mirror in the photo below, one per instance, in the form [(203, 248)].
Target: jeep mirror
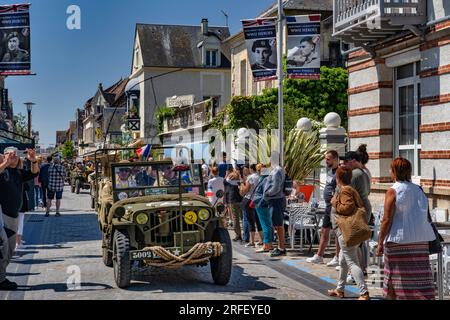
[(219, 194)]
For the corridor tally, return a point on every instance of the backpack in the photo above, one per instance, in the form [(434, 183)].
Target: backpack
[(258, 197)]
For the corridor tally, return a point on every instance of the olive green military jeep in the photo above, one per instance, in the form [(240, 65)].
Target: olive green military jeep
[(154, 213)]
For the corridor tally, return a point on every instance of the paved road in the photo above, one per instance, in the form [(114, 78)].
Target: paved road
[(58, 249)]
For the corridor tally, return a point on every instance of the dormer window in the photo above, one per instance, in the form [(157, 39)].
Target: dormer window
[(212, 58)]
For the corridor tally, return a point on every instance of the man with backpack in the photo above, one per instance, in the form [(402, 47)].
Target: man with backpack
[(274, 194), (56, 177)]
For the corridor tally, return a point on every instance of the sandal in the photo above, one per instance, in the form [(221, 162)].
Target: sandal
[(262, 250), (336, 293)]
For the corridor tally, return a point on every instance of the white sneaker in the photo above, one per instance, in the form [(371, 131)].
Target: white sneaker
[(350, 279), (334, 262), (316, 259), (338, 268)]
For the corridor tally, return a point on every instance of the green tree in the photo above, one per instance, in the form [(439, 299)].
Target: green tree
[(162, 114), (68, 150), (21, 125), (302, 98)]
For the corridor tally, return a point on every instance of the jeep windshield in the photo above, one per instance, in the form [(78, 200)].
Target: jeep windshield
[(143, 179)]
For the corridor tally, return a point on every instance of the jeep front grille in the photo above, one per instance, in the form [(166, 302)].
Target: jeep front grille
[(164, 225)]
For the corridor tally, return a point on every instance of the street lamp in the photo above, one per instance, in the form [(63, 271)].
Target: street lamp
[(29, 106)]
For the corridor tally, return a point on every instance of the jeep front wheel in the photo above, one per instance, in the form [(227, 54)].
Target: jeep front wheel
[(221, 266), (121, 259)]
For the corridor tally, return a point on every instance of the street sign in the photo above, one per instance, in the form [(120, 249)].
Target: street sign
[(180, 101)]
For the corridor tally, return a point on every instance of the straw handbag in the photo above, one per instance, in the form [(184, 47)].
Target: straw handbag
[(353, 226)]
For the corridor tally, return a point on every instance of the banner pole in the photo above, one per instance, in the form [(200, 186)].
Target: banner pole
[(280, 79)]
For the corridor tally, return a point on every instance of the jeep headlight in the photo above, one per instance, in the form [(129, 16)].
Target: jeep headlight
[(203, 214), (142, 218), (220, 209)]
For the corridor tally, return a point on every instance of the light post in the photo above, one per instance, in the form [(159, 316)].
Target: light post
[(29, 106)]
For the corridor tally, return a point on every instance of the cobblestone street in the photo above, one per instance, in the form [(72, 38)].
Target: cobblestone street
[(56, 248)]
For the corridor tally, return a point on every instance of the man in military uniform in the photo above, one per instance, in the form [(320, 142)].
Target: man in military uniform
[(14, 53), (262, 51)]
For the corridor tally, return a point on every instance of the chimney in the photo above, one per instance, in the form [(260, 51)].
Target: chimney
[(205, 26), (100, 86)]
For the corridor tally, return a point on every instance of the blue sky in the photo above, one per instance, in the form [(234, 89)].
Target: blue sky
[(69, 64)]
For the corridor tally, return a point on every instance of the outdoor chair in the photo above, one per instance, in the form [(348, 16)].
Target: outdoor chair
[(300, 218)]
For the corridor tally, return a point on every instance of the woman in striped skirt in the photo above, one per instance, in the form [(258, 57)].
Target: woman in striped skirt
[(404, 236)]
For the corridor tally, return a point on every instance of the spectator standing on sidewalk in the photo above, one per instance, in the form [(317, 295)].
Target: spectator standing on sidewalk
[(346, 201), (276, 199), (245, 224), (232, 181), (362, 150), (43, 179), (214, 184), (248, 189), (12, 179), (332, 162), (361, 183), (56, 177), (404, 238), (262, 209)]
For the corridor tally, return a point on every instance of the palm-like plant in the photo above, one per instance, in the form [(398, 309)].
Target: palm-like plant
[(302, 152)]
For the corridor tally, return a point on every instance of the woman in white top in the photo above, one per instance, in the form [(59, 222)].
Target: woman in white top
[(404, 237)]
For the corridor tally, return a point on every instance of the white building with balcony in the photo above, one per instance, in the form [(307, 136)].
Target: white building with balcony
[(399, 87)]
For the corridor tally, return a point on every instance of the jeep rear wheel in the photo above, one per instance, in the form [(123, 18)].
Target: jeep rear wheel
[(106, 251), (121, 259), (221, 266)]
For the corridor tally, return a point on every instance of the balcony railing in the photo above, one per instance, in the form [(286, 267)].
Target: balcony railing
[(368, 21)]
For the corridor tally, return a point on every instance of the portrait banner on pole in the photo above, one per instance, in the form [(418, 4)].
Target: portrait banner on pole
[(15, 39), (260, 37), (303, 46)]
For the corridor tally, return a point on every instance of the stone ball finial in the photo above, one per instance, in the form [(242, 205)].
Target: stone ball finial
[(332, 120), (242, 133), (304, 124)]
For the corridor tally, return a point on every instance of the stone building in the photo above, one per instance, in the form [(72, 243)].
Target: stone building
[(399, 88), (104, 116)]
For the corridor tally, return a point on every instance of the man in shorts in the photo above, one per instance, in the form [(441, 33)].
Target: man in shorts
[(275, 197), (56, 176), (332, 162)]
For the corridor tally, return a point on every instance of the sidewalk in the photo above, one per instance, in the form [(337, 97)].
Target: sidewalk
[(296, 260)]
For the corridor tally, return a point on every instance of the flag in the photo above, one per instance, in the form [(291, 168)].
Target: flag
[(260, 38), (144, 151), (303, 44), (15, 55)]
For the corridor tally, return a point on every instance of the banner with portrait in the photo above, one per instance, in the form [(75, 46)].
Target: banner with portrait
[(303, 46), (15, 39), (260, 38)]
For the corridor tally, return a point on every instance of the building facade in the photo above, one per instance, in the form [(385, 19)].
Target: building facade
[(173, 60), (104, 117), (399, 88)]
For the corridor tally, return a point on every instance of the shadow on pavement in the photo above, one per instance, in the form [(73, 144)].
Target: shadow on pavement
[(51, 247), (36, 261), (55, 231), (192, 279), (21, 274), (62, 287)]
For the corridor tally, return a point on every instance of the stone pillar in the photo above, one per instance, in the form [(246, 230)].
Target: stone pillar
[(333, 137), (370, 112)]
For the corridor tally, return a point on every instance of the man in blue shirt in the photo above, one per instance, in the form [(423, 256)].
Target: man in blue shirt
[(223, 166)]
